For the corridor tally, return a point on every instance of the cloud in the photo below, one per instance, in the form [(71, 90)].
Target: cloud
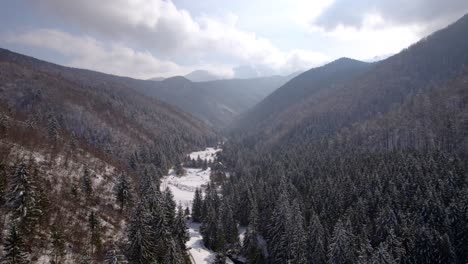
[(87, 52), (170, 33), (430, 14)]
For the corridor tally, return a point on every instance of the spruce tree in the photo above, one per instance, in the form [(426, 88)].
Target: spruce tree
[(3, 183), (197, 206), (316, 250), (94, 226), (173, 255), (169, 207), (86, 183), (141, 237), (250, 247), (278, 238), (23, 199), (58, 244), (123, 192), (180, 232), (14, 248), (341, 249), (114, 256), (230, 231)]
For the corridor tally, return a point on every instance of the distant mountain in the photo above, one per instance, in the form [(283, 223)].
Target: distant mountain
[(201, 76), (156, 79), (216, 102)]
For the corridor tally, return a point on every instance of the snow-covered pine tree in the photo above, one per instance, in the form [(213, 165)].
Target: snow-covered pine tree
[(174, 255), (123, 192), (250, 247), (180, 232), (52, 128), (14, 249), (141, 237), (297, 235), (197, 206), (278, 238), (209, 229), (231, 233), (169, 207), (58, 244), (86, 183), (3, 183), (23, 199), (340, 250), (316, 250), (94, 226), (114, 256)]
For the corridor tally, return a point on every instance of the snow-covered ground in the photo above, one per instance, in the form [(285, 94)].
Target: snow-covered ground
[(208, 154), (183, 189)]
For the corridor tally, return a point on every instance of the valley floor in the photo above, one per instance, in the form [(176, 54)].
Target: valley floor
[(183, 189)]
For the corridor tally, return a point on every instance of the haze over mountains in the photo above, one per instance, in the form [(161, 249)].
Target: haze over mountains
[(349, 162)]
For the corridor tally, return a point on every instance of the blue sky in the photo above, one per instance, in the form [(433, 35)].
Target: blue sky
[(150, 38)]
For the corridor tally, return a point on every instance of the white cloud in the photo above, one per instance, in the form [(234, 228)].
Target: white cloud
[(87, 52), (173, 34)]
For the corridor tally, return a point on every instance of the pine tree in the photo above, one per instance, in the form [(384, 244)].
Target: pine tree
[(113, 256), (230, 231), (316, 251), (205, 165), (86, 183), (298, 237), (169, 207), (94, 226), (173, 254), (197, 206), (58, 244), (23, 199), (381, 255), (180, 232), (278, 238), (14, 248), (250, 247), (3, 183), (209, 230), (123, 192), (341, 249), (179, 170), (52, 128), (141, 236)]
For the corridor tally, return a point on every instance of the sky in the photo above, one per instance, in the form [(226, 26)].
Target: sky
[(231, 39)]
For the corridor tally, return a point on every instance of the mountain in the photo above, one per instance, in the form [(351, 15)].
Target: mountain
[(373, 90), (156, 79), (216, 102), (314, 82), (201, 76)]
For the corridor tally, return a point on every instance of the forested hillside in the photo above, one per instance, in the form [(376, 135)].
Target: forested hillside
[(428, 63), (216, 102), (372, 170), (78, 151)]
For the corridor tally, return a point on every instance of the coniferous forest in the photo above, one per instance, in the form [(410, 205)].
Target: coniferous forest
[(349, 162)]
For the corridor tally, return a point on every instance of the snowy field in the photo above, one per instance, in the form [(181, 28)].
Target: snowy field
[(183, 188)]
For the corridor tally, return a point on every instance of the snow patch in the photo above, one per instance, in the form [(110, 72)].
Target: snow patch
[(209, 154)]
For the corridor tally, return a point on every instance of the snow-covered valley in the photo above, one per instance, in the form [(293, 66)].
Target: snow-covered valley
[(183, 188)]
